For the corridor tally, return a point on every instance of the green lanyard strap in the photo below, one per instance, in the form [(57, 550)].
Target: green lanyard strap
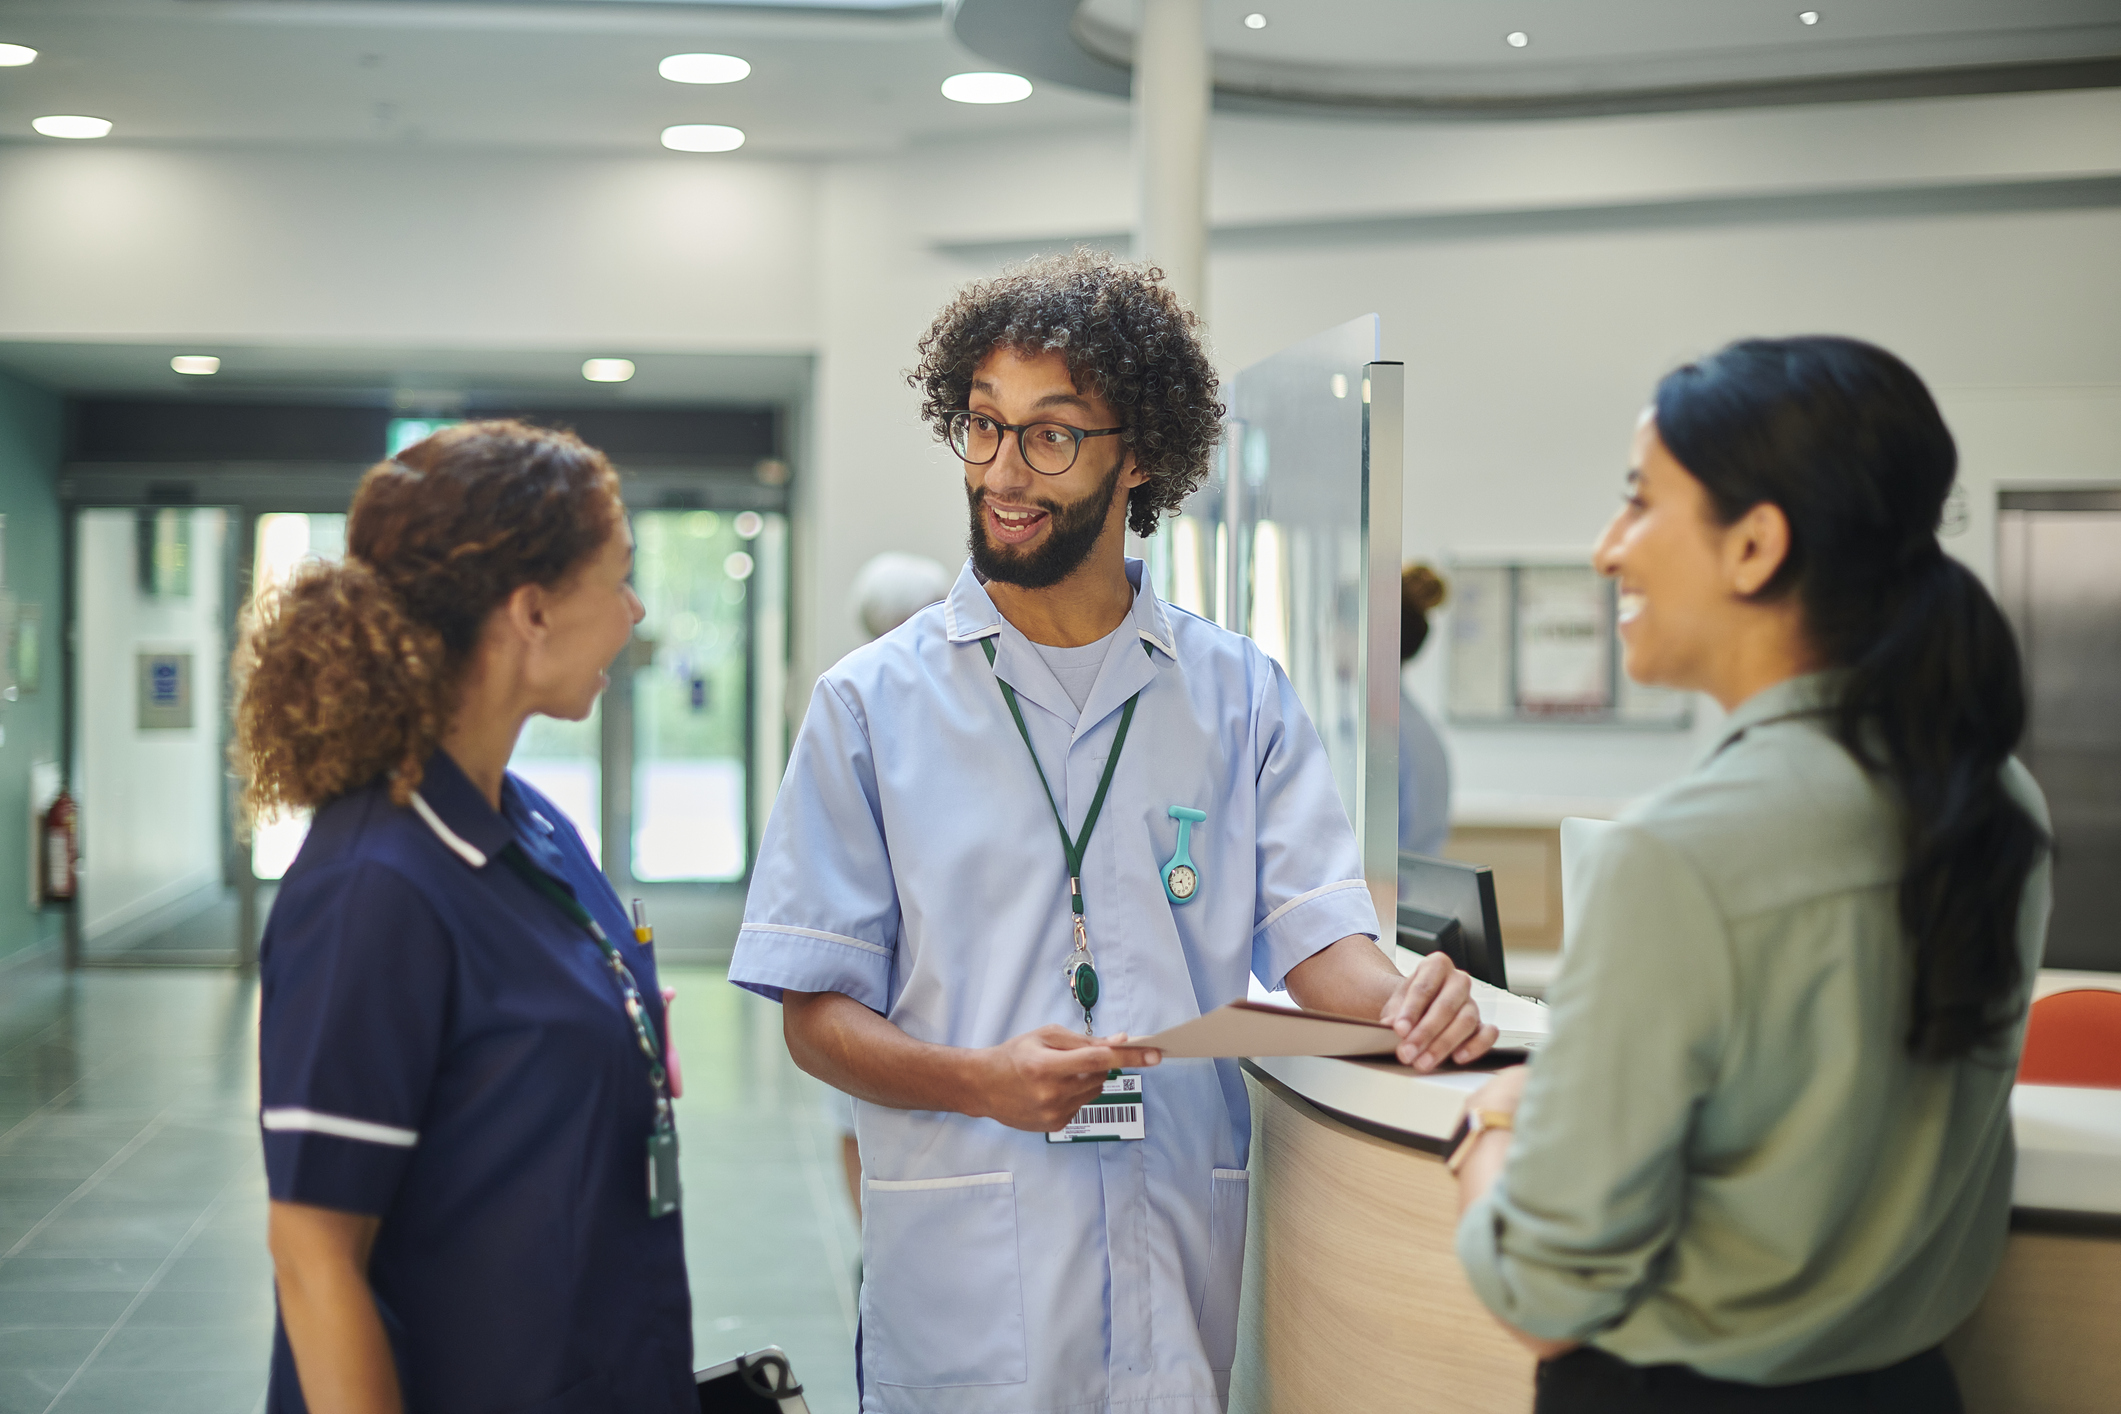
[(1072, 848), (636, 1010)]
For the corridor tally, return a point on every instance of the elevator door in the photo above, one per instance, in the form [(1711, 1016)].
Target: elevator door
[(2059, 569)]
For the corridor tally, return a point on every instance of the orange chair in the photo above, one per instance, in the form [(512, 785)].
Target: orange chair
[(2074, 1038)]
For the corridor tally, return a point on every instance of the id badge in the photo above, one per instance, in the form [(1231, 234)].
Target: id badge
[(1117, 1114), (663, 1191)]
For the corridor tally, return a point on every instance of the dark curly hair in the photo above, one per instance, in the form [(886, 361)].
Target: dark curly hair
[(1126, 338), (351, 670)]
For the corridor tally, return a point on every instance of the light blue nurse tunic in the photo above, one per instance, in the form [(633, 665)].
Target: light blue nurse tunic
[(913, 864)]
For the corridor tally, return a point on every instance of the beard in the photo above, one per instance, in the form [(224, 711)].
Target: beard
[(1072, 528)]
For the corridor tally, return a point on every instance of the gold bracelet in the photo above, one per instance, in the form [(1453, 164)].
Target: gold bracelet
[(1475, 1124)]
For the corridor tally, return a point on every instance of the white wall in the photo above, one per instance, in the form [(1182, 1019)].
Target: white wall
[(405, 247), (1587, 257), (150, 801)]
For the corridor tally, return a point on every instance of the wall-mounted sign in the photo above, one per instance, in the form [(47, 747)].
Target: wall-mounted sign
[(1538, 643), (165, 691)]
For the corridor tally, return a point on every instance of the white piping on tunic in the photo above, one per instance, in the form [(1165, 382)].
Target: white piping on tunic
[(970, 1180), (469, 852), (338, 1126), (815, 933), (1270, 920)]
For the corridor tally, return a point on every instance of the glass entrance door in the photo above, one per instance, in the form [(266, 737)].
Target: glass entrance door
[(152, 610)]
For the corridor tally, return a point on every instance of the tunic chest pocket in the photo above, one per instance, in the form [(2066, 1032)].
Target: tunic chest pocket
[(942, 1284)]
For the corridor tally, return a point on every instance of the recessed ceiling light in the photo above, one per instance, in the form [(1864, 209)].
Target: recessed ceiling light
[(1810, 17), (986, 88), (1255, 21), (72, 125), (607, 370), (1517, 39), (199, 364), (703, 137), (739, 565), (14, 56), (703, 68)]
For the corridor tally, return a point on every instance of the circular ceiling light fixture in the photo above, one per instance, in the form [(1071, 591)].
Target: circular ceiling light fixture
[(703, 137), (73, 125), (1808, 17), (1255, 21), (198, 365), (986, 88), (704, 68), (14, 56), (607, 370), (1517, 39)]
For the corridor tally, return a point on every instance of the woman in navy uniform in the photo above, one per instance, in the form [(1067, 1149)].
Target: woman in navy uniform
[(465, 1110)]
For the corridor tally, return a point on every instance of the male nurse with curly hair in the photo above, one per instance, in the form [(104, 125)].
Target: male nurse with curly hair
[(1041, 817)]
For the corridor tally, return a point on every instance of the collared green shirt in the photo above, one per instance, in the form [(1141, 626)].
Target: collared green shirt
[(1726, 1157)]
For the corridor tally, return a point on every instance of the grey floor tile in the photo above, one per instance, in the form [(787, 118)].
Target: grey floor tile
[(249, 1306), (219, 1273), (105, 1229), (127, 1274), (114, 1391), (31, 1391), (48, 1347), (231, 1348), (21, 1308)]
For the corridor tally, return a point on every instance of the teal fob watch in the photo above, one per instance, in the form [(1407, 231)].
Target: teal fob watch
[(1181, 879)]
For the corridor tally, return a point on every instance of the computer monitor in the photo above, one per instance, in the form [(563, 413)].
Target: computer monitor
[(1449, 907)]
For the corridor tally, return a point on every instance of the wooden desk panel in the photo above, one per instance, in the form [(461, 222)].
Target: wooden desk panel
[(1353, 1296), (2047, 1337)]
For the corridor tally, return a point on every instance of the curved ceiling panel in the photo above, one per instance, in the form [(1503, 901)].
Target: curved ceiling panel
[(1460, 58)]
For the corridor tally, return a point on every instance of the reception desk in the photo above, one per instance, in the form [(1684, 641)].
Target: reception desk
[(1354, 1299)]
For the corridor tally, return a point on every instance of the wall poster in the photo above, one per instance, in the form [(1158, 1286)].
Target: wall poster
[(1532, 642)]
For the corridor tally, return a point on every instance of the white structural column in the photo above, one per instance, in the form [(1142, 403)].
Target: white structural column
[(1172, 87)]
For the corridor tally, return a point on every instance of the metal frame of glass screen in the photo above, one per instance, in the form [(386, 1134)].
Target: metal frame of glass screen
[(1315, 430)]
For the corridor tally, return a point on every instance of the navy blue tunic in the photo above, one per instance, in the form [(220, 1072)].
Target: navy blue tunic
[(441, 1047)]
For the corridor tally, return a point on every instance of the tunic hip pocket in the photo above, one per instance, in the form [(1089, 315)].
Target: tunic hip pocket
[(1226, 1266), (942, 1284)]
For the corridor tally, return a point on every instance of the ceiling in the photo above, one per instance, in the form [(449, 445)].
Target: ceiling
[(1452, 58), (577, 76)]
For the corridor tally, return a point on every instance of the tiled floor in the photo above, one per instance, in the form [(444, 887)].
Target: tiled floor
[(133, 1271)]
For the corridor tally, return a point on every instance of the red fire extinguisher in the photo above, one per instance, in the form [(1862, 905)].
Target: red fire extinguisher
[(62, 848)]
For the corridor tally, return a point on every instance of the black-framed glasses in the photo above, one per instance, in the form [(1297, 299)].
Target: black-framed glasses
[(1048, 448)]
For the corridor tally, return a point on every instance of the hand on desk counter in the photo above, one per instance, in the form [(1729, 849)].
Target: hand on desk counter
[(1433, 1011)]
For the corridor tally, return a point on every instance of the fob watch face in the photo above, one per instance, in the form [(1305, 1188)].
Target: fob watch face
[(1182, 881)]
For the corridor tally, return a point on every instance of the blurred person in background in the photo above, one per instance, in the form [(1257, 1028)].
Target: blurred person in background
[(1424, 765), (888, 590), (1764, 1161), (466, 1116)]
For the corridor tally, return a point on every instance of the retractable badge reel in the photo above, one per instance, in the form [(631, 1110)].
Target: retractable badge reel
[(1181, 879)]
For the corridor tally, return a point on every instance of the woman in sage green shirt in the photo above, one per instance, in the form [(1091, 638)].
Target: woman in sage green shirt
[(1765, 1161)]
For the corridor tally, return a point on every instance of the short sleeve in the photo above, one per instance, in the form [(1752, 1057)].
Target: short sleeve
[(1311, 892), (823, 914), (356, 973), (1594, 1190)]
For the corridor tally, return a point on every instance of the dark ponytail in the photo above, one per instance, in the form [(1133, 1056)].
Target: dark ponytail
[(1846, 441)]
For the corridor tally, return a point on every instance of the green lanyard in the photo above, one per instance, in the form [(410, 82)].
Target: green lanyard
[(636, 1010), (1081, 970)]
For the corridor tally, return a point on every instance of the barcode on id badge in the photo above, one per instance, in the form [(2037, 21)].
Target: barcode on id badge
[(1097, 1123)]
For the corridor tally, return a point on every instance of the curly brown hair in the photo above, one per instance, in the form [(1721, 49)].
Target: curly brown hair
[(350, 670), (1126, 338)]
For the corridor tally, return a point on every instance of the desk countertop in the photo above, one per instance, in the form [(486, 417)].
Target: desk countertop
[(2069, 1137)]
